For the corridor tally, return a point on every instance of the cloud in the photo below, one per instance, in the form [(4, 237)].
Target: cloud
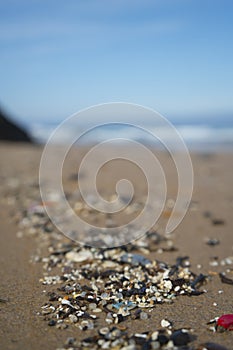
[(32, 19), (54, 29), (42, 27)]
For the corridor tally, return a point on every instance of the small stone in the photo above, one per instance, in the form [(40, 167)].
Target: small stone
[(86, 324), (109, 318), (119, 318), (73, 318), (19, 234), (163, 339), (214, 263), (52, 323), (225, 279), (213, 241), (168, 285), (155, 345), (83, 255), (140, 335), (104, 331), (154, 335), (92, 306), (143, 316), (61, 325), (97, 310), (218, 222), (212, 346), (227, 261), (70, 341), (105, 296), (207, 214), (180, 337), (165, 323), (135, 259)]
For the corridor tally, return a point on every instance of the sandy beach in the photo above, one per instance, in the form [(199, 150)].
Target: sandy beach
[(204, 237)]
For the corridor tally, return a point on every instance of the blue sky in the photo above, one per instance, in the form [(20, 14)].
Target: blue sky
[(57, 57)]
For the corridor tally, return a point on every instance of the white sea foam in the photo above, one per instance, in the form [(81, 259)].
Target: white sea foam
[(195, 135)]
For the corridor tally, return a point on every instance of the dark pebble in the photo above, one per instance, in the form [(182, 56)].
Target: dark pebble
[(134, 291), (120, 318), (218, 222), (70, 341), (52, 323), (207, 214), (213, 346), (180, 337), (213, 241), (140, 341), (136, 314), (53, 296), (90, 340), (198, 280), (163, 339), (146, 346), (225, 279)]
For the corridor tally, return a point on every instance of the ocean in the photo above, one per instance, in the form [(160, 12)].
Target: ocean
[(204, 134)]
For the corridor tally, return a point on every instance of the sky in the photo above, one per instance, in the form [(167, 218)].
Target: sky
[(57, 57)]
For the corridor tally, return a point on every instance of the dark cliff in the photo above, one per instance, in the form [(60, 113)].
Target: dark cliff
[(9, 131)]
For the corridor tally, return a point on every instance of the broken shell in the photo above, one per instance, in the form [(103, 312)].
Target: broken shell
[(81, 256), (165, 323)]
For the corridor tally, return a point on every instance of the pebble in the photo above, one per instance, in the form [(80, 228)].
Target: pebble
[(80, 256), (163, 339), (97, 310), (218, 222), (180, 337), (104, 331), (135, 259), (213, 242), (86, 324), (227, 261), (73, 318), (143, 316), (212, 346), (52, 323), (92, 306), (165, 323), (70, 341)]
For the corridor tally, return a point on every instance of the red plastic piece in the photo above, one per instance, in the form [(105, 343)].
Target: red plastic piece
[(226, 321)]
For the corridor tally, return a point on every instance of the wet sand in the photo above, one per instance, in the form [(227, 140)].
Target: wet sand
[(22, 294)]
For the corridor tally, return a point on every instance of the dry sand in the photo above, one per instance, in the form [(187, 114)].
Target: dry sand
[(22, 328)]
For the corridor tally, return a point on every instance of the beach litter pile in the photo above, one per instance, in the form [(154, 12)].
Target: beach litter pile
[(103, 291)]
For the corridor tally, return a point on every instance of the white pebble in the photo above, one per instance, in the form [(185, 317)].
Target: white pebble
[(165, 323)]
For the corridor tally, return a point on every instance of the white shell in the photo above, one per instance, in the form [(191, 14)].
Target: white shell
[(83, 255)]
